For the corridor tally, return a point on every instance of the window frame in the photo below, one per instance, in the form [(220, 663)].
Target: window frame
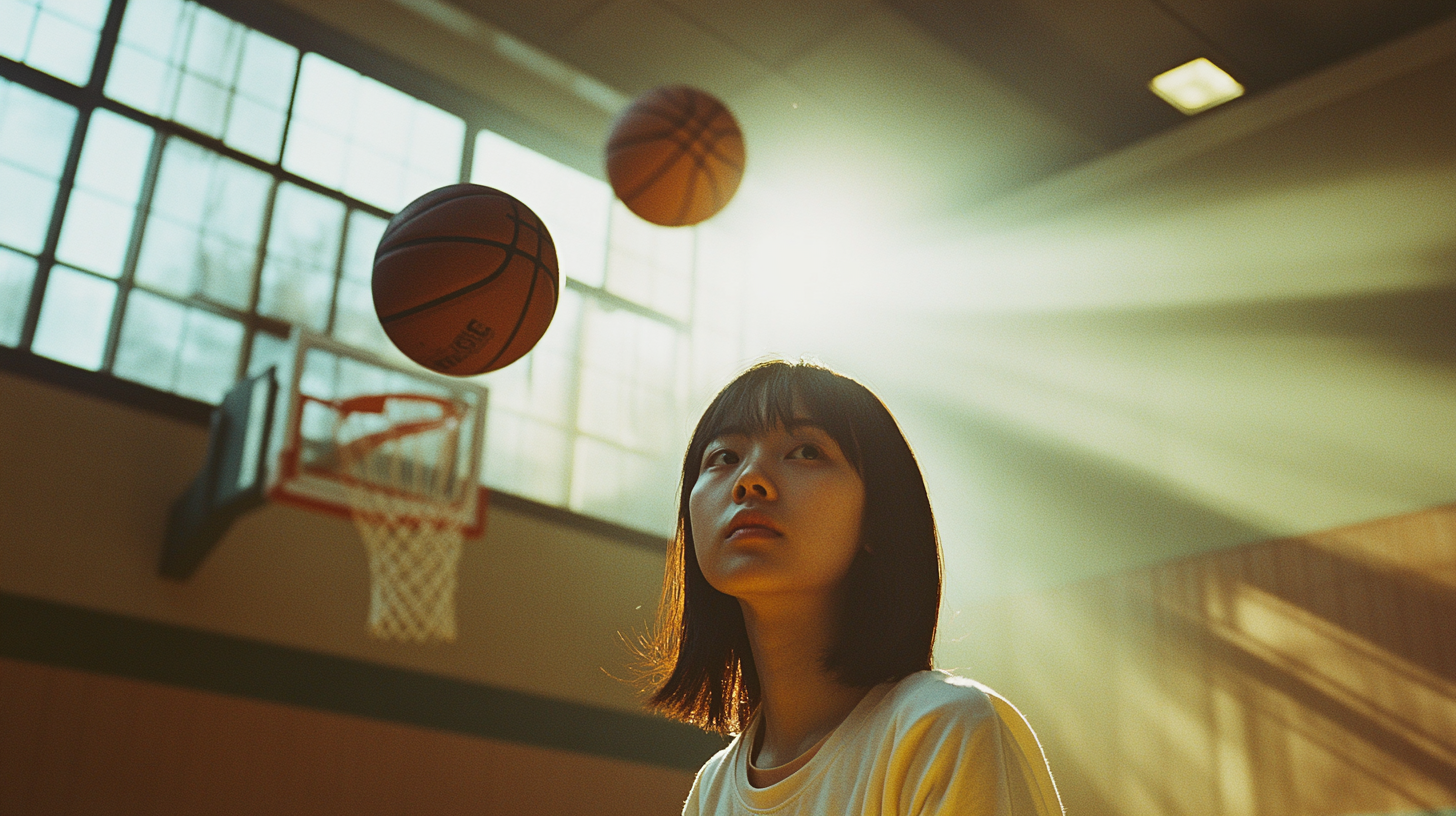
[(307, 36)]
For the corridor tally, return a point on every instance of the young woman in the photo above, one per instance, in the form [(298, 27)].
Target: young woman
[(798, 612)]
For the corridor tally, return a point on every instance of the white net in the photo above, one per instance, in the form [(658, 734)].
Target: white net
[(398, 452)]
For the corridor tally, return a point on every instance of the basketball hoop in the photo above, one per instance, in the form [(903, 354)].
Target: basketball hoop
[(335, 429), (396, 455)]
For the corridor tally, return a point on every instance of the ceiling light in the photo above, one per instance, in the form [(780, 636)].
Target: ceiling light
[(1196, 86)]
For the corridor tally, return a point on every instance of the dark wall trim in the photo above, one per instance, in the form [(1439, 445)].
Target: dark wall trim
[(567, 518), (105, 386), (71, 637), (197, 413)]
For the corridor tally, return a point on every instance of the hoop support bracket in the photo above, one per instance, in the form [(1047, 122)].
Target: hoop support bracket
[(231, 482)]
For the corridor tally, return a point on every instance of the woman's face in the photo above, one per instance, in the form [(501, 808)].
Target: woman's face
[(776, 512)]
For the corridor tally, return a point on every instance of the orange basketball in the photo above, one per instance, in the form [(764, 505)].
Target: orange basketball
[(675, 156), (465, 280)]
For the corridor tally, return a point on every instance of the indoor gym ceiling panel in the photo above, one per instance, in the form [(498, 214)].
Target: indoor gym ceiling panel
[(635, 45), (775, 32)]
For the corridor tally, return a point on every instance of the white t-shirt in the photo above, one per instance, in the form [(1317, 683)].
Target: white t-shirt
[(929, 745)]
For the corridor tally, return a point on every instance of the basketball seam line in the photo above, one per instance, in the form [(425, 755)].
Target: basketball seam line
[(671, 126), (520, 319), (511, 254), (701, 161), (542, 233), (525, 307), (712, 147), (383, 239), (662, 169), (720, 197), (672, 120), (543, 237), (382, 253), (717, 136)]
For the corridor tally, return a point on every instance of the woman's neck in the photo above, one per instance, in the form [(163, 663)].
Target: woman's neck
[(800, 701)]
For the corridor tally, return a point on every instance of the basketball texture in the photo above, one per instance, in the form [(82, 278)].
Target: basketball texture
[(465, 280), (675, 156)]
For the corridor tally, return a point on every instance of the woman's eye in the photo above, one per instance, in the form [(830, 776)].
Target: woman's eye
[(810, 451), (722, 456)]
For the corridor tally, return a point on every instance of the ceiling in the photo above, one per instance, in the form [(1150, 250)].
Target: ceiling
[(1115, 334), (992, 95), (1089, 63)]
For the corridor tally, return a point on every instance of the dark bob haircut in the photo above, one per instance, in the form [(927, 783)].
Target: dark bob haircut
[(698, 661)]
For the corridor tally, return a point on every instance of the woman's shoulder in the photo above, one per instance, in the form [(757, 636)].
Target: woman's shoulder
[(974, 736), (713, 779), (942, 696), (718, 764)]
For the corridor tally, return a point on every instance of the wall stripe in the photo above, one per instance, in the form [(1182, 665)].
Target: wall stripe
[(72, 637)]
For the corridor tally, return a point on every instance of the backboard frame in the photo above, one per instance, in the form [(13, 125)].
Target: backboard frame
[(292, 480)]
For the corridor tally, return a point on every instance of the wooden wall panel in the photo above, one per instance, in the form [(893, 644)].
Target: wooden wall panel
[(90, 744), (1306, 676)]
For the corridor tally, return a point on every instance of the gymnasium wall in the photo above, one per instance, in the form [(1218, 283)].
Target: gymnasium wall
[(257, 677), (1311, 676)]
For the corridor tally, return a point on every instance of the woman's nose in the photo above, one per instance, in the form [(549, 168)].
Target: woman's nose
[(753, 482), (743, 488)]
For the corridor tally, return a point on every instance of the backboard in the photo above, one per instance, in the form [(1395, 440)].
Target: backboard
[(318, 381)]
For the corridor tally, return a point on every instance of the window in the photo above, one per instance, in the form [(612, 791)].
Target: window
[(58, 37), (170, 209)]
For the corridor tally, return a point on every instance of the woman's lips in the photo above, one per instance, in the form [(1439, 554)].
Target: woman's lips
[(747, 531)]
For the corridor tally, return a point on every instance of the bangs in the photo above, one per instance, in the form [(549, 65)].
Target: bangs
[(780, 394)]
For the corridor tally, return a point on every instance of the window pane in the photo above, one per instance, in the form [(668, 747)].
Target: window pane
[(172, 347), (17, 273), (208, 360), (573, 205), (17, 18), (619, 485), (150, 335), (187, 63), (526, 457), (650, 265), (55, 36), (203, 228), (152, 42), (528, 445), (360, 136), (355, 321), (214, 49), (365, 230), (157, 28), (303, 248), (99, 216), (74, 318), (630, 382), (35, 134), (542, 383), (717, 325), (268, 350)]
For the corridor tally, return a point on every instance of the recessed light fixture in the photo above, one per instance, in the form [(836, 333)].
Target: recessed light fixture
[(1196, 86)]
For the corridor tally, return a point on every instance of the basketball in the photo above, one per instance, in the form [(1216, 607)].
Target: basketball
[(675, 156), (465, 280)]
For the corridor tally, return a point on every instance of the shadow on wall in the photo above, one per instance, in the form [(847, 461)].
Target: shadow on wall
[(1027, 494), (1416, 326), (1314, 675)]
